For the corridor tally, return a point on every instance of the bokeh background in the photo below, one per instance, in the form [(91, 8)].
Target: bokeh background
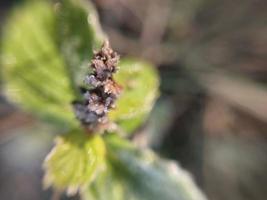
[(212, 113)]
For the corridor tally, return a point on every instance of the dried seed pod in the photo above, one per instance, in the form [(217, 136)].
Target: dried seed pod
[(92, 111)]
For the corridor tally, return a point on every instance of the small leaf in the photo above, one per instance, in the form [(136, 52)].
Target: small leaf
[(140, 84), (74, 161), (78, 34), (140, 175)]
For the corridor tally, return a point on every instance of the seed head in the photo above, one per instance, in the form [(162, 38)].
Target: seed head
[(100, 98)]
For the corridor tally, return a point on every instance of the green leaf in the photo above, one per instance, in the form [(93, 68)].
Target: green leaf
[(140, 175), (78, 34), (45, 47), (74, 162), (34, 72), (140, 83)]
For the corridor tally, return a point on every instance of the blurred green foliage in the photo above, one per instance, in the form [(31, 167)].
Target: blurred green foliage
[(46, 48), (74, 161), (140, 89), (140, 175), (35, 74)]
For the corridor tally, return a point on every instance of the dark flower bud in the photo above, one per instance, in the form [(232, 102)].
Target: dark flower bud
[(92, 110)]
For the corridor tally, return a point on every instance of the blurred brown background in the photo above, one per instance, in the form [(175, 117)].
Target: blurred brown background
[(212, 113)]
